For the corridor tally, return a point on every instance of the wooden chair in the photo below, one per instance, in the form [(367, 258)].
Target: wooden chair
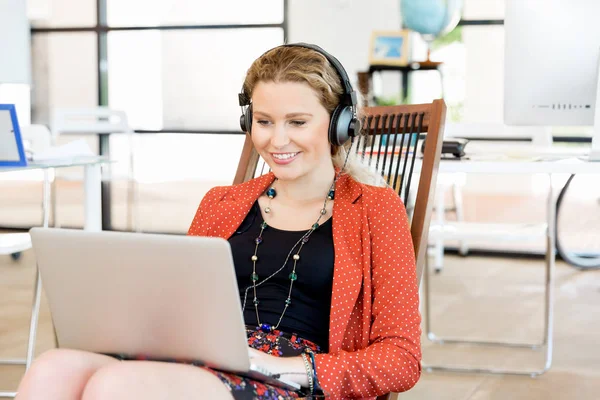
[(391, 145)]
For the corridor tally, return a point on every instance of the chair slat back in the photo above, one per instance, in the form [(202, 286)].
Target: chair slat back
[(404, 143)]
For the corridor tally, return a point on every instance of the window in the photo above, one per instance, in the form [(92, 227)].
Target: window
[(61, 13), (201, 93), (64, 69), (175, 66), (174, 171), (193, 12), (474, 73)]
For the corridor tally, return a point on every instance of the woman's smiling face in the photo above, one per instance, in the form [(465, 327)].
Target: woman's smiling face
[(289, 129)]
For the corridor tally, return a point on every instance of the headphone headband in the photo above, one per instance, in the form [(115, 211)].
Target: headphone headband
[(349, 95)]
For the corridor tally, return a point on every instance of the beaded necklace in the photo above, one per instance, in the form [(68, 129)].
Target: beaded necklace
[(271, 193), (293, 276)]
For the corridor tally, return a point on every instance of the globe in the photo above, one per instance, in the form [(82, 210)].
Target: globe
[(430, 18)]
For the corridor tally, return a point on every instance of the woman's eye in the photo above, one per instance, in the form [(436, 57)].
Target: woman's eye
[(298, 123), (262, 122)]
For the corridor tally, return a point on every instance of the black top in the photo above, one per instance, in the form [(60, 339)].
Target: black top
[(308, 314)]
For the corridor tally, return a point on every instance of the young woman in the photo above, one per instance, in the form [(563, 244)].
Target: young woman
[(323, 257)]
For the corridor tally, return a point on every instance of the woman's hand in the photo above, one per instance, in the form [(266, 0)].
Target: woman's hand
[(289, 368)]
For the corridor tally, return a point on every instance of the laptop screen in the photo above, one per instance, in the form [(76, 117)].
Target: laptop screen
[(11, 146)]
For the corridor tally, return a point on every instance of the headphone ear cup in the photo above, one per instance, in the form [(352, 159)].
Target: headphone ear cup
[(246, 120), (243, 122), (342, 125), (333, 126)]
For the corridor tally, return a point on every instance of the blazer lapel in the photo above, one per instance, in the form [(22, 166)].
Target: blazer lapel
[(347, 275)]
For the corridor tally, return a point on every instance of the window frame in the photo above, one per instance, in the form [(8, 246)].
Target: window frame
[(101, 29)]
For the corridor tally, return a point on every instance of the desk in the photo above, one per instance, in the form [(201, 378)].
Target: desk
[(551, 163), (13, 243), (92, 183)]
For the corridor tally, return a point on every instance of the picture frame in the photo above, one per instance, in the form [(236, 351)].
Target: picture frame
[(390, 48), (12, 151)]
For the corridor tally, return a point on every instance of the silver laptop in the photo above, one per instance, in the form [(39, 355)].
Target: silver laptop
[(163, 296)]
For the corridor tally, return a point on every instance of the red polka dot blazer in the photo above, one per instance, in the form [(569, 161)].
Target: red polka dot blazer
[(374, 331)]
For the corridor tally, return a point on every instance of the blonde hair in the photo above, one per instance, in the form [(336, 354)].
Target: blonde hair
[(300, 64)]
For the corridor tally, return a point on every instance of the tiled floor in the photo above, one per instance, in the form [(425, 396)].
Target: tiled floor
[(489, 298)]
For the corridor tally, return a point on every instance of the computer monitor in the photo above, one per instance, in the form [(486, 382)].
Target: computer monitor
[(552, 64)]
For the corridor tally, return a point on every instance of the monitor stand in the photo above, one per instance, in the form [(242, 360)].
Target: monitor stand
[(595, 150)]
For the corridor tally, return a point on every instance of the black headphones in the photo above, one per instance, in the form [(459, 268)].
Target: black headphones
[(343, 124)]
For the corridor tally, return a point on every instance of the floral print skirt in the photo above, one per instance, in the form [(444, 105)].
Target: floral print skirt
[(275, 343)]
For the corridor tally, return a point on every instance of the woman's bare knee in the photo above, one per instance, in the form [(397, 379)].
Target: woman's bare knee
[(154, 380), (60, 373)]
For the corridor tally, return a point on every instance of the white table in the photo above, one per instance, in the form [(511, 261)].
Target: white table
[(494, 163), (11, 243), (92, 183), (522, 161)]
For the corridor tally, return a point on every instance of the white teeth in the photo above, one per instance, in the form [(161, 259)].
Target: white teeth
[(284, 156)]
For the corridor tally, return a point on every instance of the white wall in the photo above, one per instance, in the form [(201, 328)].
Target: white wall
[(64, 64), (343, 28)]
